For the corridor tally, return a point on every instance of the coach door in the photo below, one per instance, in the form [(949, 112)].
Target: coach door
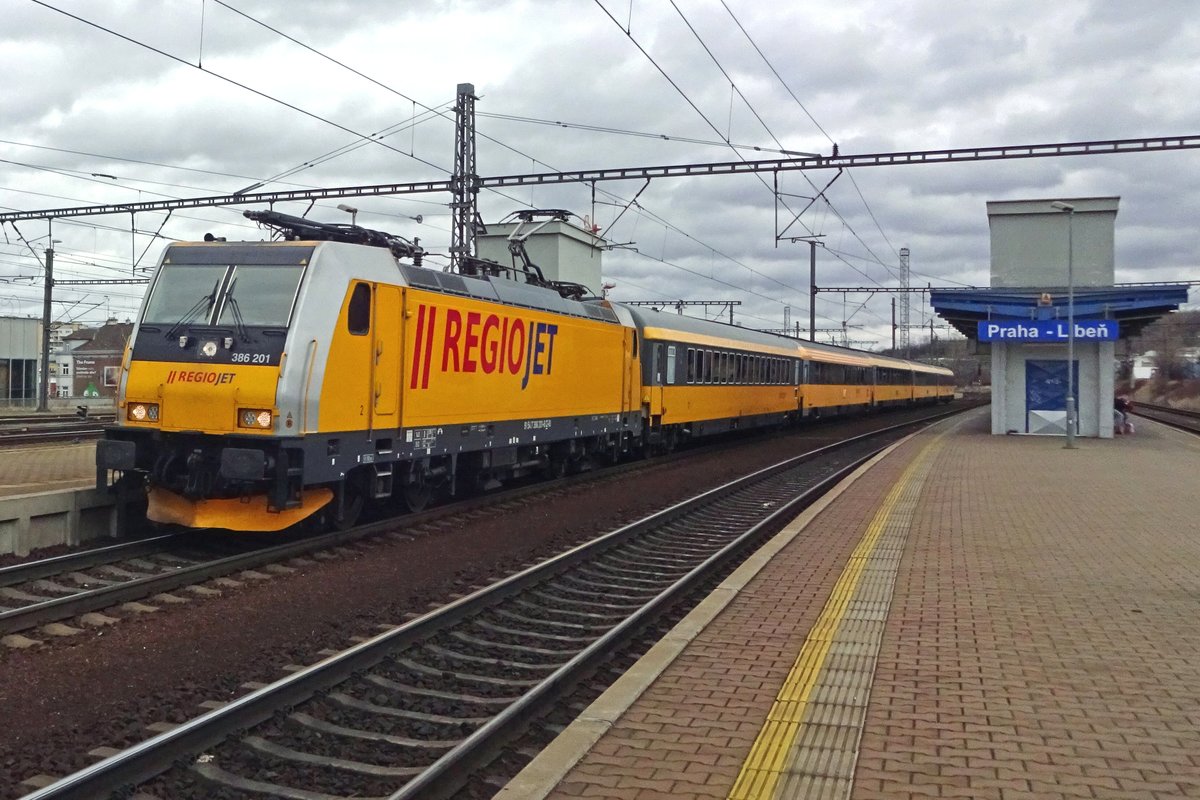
[(627, 367), (388, 356), (658, 378)]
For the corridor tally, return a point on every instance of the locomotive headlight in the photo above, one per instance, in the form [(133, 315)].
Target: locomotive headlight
[(143, 412), (254, 418), (209, 348)]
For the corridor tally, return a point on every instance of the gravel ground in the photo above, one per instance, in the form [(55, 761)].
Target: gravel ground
[(102, 686)]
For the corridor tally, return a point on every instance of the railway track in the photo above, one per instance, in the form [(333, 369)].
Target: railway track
[(43, 428), (8, 420), (412, 712), (67, 587), (1175, 417)]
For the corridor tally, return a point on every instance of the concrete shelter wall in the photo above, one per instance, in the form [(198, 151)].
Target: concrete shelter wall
[(1094, 393)]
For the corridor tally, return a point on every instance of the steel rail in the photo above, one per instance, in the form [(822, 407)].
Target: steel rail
[(1179, 418), (37, 437), (446, 774), (143, 761), (33, 419), (60, 608), (96, 556)]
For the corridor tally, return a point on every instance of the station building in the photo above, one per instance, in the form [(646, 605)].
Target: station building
[(20, 346), (1053, 261)]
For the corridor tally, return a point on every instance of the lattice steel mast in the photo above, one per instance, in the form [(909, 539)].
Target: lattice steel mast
[(905, 285), (464, 183)]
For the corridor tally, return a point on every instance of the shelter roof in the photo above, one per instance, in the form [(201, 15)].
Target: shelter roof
[(1133, 307)]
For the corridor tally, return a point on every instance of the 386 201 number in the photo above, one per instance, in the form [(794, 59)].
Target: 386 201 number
[(250, 358)]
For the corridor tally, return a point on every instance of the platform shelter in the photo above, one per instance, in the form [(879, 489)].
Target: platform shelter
[(1053, 263)]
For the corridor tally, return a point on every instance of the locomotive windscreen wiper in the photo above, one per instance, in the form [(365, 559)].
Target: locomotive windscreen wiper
[(204, 302), (238, 321)]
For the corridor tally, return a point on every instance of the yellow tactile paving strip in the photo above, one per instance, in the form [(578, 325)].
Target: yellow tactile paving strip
[(717, 673), (806, 748)]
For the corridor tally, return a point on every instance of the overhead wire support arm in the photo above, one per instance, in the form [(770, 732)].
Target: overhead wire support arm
[(679, 305), (783, 234), (104, 282), (640, 173)]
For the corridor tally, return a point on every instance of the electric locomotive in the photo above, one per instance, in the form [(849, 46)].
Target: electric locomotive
[(267, 381)]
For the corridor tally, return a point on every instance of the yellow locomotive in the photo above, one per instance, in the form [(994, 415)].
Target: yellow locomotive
[(266, 382)]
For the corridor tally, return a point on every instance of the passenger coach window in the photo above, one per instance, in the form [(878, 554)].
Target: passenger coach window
[(358, 315), (691, 367), (670, 363)]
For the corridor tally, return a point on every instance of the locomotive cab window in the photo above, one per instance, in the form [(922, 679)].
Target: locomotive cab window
[(260, 295), (185, 294), (358, 315), (192, 294)]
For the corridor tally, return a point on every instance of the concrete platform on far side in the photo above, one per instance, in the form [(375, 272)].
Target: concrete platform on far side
[(969, 616), (29, 469)]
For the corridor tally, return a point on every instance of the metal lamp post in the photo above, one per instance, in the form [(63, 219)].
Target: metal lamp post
[(1071, 411)]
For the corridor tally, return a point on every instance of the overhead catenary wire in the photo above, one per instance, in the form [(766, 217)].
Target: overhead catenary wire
[(807, 113), (388, 88), (361, 136), (231, 81), (236, 83), (708, 121)]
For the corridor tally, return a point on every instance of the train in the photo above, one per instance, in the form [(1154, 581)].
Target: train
[(299, 381)]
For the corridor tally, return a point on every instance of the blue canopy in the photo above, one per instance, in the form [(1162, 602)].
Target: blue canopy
[(1133, 307)]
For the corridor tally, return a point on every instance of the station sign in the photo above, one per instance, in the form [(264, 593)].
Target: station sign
[(1051, 331)]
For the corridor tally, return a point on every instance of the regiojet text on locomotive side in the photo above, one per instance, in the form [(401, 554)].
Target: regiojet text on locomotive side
[(481, 342)]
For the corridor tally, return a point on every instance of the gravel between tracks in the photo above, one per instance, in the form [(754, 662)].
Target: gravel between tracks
[(104, 685)]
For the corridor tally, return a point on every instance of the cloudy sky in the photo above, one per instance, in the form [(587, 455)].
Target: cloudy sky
[(138, 100)]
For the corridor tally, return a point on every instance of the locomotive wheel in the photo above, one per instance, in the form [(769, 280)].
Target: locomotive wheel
[(352, 506), (417, 495)]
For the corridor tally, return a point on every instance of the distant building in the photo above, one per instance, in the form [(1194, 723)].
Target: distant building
[(96, 363), (59, 331), (1144, 366), (20, 348), (62, 357)]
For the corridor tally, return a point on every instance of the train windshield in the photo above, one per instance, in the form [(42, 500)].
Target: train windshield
[(184, 294), (261, 295)]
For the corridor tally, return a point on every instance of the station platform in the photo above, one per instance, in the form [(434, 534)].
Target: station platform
[(968, 616), (37, 468)]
